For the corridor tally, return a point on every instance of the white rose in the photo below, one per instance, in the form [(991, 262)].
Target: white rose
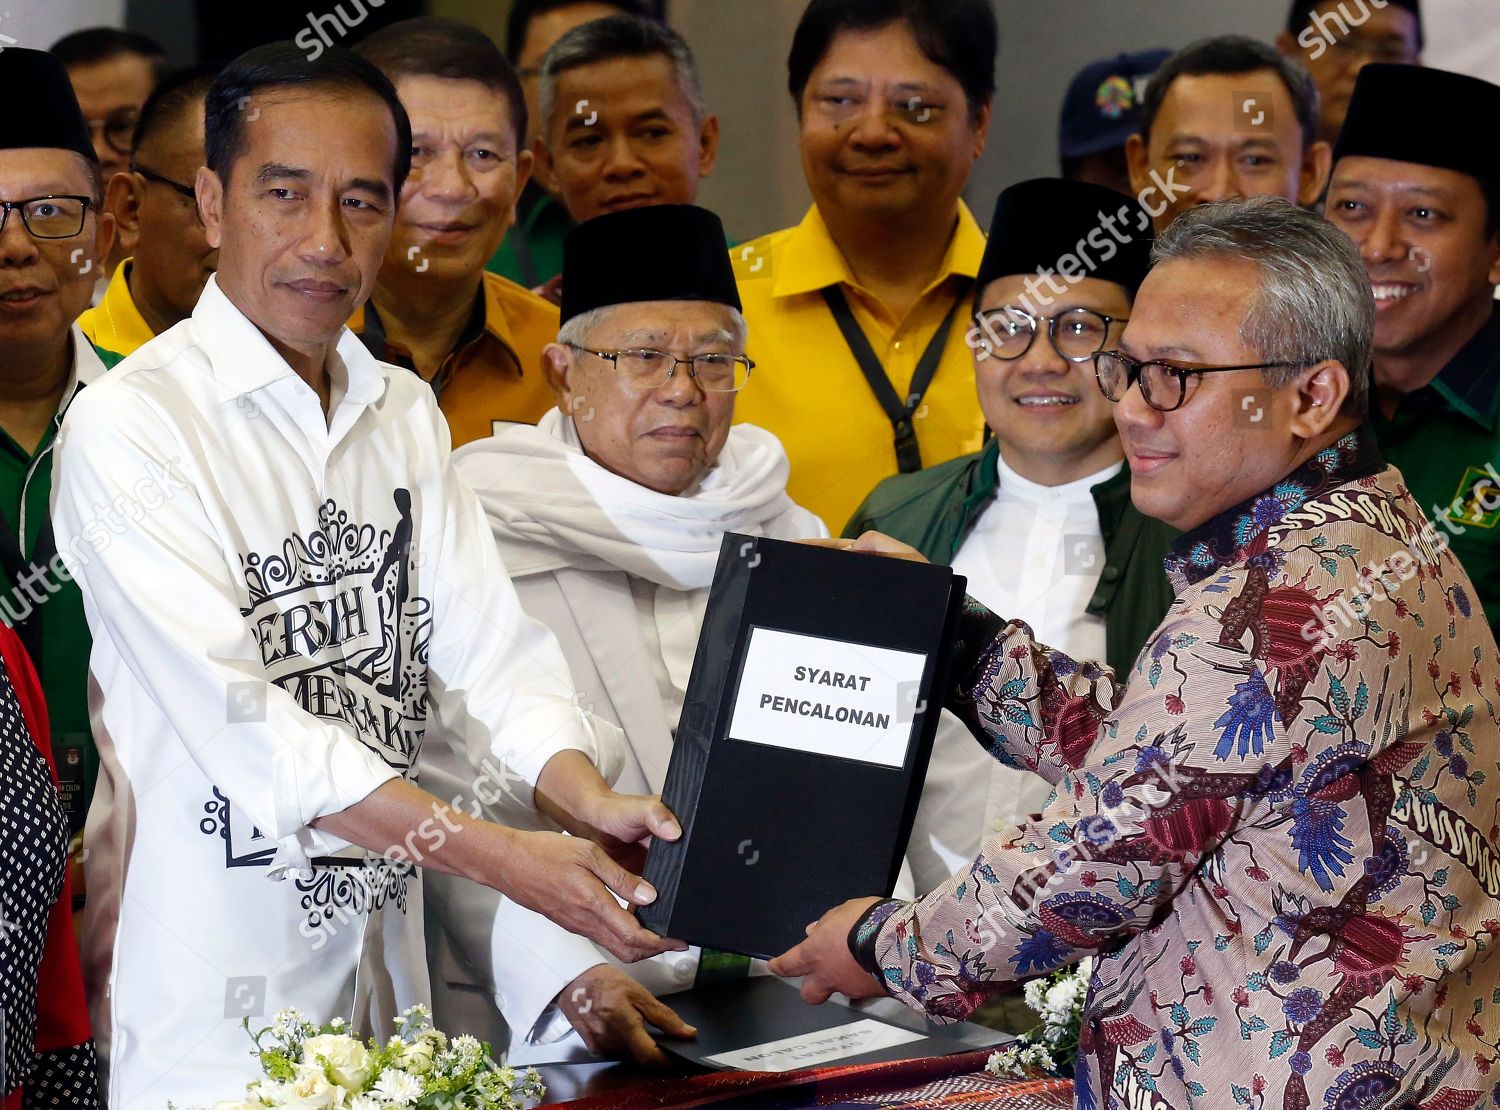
[(417, 1058), (238, 1104), (310, 1090), (347, 1060)]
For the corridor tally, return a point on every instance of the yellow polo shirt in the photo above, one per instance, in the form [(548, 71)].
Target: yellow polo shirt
[(494, 375), (115, 326), (807, 387)]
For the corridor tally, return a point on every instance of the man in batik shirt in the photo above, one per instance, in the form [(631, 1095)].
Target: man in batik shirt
[(1276, 834)]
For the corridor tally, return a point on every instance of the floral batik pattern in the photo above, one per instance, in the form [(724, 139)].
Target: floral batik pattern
[(1277, 836)]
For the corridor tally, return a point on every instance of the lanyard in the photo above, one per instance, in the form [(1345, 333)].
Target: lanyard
[(908, 452)]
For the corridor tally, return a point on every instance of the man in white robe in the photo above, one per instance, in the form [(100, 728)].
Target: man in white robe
[(610, 514), (288, 588)]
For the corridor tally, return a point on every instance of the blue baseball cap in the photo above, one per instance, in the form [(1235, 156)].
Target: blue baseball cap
[(1101, 108)]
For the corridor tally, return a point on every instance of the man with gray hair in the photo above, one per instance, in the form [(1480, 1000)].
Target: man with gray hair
[(622, 123), (1265, 832)]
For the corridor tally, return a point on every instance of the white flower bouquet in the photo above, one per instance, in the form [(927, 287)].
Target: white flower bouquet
[(1052, 1046), (311, 1067)]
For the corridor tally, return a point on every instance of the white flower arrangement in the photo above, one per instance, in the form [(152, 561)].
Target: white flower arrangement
[(311, 1067), (1052, 1045)]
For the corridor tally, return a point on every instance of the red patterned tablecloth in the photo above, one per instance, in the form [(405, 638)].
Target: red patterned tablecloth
[(945, 1081)]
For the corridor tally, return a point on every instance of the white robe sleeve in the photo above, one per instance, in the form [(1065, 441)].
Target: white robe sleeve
[(501, 689), (155, 582)]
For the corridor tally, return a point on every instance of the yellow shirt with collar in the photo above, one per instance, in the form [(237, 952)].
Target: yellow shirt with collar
[(808, 389), (115, 326), (496, 377)]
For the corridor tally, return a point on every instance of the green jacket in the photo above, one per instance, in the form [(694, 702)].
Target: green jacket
[(933, 510), (1445, 440)]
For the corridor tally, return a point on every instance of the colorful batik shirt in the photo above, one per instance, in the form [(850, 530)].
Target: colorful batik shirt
[(1277, 835)]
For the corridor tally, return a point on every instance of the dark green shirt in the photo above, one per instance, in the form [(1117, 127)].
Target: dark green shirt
[(63, 662), (532, 253), (1445, 440), (934, 509)]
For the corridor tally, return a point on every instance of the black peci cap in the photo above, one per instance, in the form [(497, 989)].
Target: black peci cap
[(664, 252)]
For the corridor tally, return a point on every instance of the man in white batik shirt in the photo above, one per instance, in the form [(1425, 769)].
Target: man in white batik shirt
[(288, 589)]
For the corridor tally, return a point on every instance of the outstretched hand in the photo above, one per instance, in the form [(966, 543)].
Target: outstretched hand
[(824, 960)]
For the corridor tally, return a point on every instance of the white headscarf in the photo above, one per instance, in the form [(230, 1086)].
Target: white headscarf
[(551, 506)]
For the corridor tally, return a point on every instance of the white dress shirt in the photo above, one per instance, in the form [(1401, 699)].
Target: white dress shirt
[(1035, 554), (282, 604)]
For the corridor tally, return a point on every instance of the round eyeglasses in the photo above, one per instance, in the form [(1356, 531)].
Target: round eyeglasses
[(1008, 332)]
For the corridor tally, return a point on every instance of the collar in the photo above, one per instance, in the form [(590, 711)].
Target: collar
[(1471, 380), (810, 259), (242, 359), (487, 319), (1239, 532), (535, 204), (118, 323), (1079, 491)]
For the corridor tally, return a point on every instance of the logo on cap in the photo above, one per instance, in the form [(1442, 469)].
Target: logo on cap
[(1115, 97)]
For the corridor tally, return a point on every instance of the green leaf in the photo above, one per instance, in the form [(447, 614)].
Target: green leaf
[(1429, 911), (1202, 1027), (1361, 699), (1440, 877), (1367, 1037), (1281, 1042), (1327, 723), (1339, 695)]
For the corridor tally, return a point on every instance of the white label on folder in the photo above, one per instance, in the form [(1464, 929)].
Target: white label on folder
[(828, 697), (809, 1050)]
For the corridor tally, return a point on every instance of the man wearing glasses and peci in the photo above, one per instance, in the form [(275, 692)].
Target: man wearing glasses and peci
[(1040, 520), (49, 226), (155, 212)]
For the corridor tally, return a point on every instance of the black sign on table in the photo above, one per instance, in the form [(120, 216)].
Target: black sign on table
[(803, 743)]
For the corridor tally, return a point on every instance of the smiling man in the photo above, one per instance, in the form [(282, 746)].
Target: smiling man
[(290, 591), (1268, 835), (1227, 117), (475, 337), (1422, 200), (49, 234), (1040, 521), (859, 311)]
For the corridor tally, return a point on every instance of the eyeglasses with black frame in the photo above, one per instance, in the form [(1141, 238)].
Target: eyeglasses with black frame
[(646, 368), (1163, 383), (59, 216), (1008, 332), (162, 179), (118, 128)]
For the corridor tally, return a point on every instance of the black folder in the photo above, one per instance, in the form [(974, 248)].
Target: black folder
[(803, 742)]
